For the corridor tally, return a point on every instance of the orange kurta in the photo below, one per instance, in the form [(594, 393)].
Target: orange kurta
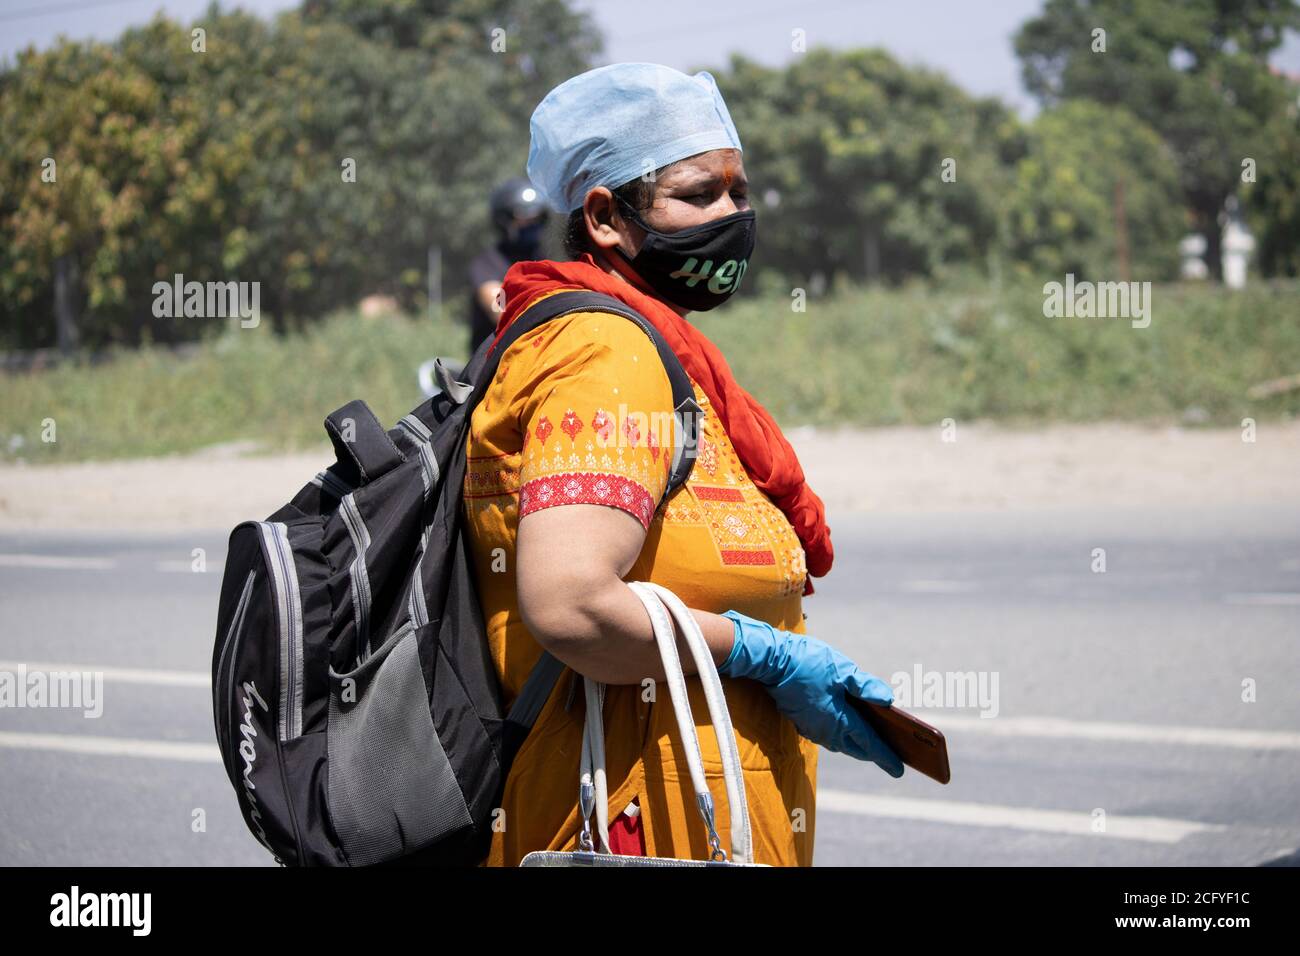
[(574, 415)]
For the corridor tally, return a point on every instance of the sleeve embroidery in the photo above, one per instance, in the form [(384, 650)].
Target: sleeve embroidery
[(623, 480), (587, 487), (580, 444)]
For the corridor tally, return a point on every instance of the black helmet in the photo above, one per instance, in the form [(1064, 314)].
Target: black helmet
[(515, 198)]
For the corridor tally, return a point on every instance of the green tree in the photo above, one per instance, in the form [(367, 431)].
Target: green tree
[(469, 74), (1097, 195), (1273, 201), (1196, 71), (234, 161), (96, 158), (847, 154)]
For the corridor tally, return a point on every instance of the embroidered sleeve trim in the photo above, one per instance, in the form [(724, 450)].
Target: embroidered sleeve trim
[(587, 488)]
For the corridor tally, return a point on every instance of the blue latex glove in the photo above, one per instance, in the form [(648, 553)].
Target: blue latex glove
[(809, 680)]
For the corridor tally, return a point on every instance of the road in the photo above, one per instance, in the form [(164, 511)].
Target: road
[(1121, 736)]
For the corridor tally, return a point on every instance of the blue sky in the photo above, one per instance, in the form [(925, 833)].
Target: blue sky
[(971, 41)]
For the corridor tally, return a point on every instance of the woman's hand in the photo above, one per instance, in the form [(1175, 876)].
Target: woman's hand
[(810, 682)]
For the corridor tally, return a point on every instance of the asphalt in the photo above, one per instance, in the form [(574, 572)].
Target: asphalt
[(1120, 737)]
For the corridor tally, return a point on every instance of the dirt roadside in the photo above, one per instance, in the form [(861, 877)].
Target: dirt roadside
[(986, 468)]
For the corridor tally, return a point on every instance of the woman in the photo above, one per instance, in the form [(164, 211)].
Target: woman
[(565, 476)]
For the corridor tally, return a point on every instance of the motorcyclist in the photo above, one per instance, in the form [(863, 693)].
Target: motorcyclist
[(519, 218)]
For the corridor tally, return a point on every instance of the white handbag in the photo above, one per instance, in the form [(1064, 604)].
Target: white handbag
[(592, 792)]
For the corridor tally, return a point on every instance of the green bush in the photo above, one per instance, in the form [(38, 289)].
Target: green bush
[(864, 357)]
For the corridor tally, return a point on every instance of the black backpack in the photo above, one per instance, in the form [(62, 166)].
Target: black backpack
[(356, 707)]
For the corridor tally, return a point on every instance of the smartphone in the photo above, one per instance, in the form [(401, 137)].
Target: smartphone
[(918, 745)]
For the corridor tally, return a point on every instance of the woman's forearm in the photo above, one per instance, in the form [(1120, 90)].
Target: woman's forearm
[(612, 640)]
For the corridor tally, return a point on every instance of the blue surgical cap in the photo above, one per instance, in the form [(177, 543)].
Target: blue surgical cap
[(612, 124)]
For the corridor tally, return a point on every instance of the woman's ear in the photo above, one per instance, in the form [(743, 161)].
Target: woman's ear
[(606, 229), (605, 226)]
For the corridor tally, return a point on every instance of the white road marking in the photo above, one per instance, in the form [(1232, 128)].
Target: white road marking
[(112, 746), (1070, 822), (176, 566), (128, 675), (1129, 733), (1017, 727), (1284, 598), (52, 562)]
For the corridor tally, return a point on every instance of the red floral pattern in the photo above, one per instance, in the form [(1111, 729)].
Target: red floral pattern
[(632, 430), (603, 424), (544, 429), (587, 487), (571, 424)]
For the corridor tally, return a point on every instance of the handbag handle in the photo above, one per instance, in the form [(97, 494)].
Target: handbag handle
[(662, 606), (592, 791), (707, 671)]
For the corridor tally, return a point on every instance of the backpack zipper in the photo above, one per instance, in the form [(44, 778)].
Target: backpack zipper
[(236, 625), (284, 586)]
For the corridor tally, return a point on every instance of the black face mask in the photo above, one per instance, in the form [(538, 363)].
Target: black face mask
[(696, 268)]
